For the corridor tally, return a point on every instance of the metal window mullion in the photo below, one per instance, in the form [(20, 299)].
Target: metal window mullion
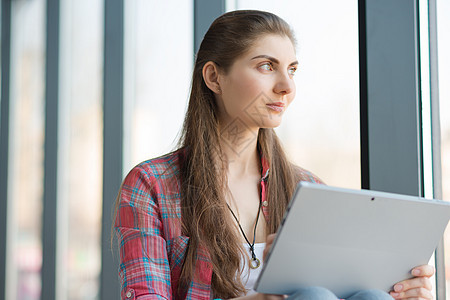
[(112, 138), (436, 140), (205, 11), (4, 136), (363, 110), (49, 216), (390, 93)]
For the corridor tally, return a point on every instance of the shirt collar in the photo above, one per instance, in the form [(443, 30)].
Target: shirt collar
[(265, 167)]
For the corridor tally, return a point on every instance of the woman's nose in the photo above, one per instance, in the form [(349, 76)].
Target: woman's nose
[(284, 85)]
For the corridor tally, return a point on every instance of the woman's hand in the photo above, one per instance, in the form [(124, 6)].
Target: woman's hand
[(418, 287)]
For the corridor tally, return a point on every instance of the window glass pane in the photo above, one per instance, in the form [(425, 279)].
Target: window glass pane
[(443, 20), (320, 130), (26, 152), (443, 26), (158, 64), (80, 149)]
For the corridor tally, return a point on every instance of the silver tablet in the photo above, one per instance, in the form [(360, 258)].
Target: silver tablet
[(349, 240)]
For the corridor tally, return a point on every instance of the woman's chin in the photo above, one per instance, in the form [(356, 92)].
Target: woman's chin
[(271, 124)]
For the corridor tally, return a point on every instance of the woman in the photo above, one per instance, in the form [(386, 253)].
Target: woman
[(194, 223)]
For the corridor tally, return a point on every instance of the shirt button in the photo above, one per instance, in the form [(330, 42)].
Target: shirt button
[(265, 203), (129, 294)]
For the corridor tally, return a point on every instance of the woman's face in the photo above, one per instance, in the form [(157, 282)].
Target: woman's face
[(259, 86)]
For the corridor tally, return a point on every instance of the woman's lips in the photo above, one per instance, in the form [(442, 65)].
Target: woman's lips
[(276, 106)]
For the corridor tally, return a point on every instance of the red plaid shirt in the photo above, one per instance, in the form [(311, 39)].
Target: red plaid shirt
[(148, 228)]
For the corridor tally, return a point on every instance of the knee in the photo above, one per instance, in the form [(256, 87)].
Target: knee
[(312, 293), (371, 295)]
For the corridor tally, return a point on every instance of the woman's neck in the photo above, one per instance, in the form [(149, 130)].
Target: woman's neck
[(241, 154), (239, 146)]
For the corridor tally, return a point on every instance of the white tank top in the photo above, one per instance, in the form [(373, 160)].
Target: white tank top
[(249, 275)]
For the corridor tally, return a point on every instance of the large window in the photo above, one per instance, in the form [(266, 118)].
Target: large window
[(314, 135)]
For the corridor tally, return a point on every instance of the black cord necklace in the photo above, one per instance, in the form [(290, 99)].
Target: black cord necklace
[(254, 261)]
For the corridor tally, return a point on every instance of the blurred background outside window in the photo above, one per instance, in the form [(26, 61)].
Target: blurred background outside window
[(159, 56), (80, 149), (26, 149)]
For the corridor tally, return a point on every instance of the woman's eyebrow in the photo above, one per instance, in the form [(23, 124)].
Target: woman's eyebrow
[(273, 59)]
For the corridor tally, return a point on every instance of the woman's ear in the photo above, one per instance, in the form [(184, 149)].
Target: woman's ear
[(210, 74)]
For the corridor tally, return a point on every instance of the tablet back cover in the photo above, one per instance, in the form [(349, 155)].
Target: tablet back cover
[(349, 240)]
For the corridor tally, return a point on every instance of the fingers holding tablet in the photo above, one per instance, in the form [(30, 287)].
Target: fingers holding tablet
[(418, 287)]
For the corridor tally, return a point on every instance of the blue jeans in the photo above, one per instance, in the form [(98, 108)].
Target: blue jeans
[(320, 293)]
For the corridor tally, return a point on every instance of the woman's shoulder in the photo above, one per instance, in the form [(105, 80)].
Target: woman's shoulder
[(305, 175), (165, 167)]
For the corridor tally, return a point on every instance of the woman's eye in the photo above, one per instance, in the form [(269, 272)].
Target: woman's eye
[(267, 67), (292, 71)]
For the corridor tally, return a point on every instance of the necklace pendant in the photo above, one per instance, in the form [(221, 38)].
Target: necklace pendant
[(254, 263)]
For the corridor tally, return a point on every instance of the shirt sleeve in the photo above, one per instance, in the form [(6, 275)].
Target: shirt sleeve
[(144, 267)]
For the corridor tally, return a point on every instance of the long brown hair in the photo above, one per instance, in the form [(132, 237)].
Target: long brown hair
[(205, 217)]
